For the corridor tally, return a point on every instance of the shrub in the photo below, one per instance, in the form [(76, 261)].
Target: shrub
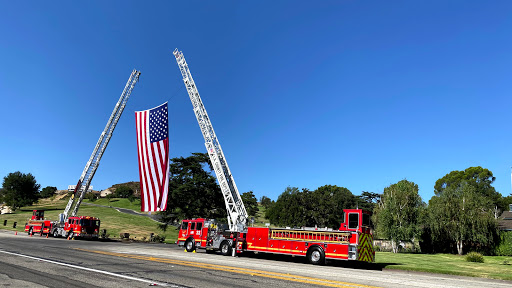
[(158, 238), (505, 246), (475, 257), (123, 192), (90, 196)]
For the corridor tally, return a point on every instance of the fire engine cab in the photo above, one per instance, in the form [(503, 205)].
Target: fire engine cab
[(82, 226)]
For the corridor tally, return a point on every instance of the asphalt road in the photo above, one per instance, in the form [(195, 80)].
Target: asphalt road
[(57, 262)]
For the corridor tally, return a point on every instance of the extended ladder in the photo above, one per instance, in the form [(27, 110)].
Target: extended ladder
[(237, 215), (97, 153)]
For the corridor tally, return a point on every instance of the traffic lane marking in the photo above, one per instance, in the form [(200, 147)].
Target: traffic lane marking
[(92, 270), (252, 272)]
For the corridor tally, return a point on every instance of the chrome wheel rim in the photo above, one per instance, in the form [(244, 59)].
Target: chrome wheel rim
[(315, 256)]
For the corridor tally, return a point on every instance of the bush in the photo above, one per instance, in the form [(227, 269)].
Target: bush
[(505, 246), (90, 196), (48, 192), (123, 192), (474, 257), (158, 238)]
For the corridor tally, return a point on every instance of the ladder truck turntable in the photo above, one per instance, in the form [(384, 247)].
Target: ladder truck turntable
[(352, 241), (69, 224)]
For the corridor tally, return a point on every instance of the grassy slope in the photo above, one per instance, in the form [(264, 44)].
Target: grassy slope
[(117, 202), (115, 222)]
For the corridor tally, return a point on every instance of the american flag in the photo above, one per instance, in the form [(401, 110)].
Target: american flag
[(153, 146)]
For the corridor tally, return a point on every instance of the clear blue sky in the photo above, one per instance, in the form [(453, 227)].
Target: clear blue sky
[(359, 94)]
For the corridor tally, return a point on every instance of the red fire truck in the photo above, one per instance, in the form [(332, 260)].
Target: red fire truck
[(352, 241), (75, 226), (37, 224)]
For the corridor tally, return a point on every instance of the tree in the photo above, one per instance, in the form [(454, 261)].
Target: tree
[(19, 189), (480, 178), (327, 204), (193, 191), (123, 192), (250, 203), (398, 213), (289, 209), (368, 200), (48, 192), (464, 216), (91, 197), (506, 201), (265, 202)]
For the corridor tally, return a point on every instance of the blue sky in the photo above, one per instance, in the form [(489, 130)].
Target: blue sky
[(359, 94)]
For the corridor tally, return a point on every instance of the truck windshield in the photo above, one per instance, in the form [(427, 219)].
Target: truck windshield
[(366, 220), (184, 226), (89, 222)]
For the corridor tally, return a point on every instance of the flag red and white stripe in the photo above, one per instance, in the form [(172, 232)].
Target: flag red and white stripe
[(153, 150)]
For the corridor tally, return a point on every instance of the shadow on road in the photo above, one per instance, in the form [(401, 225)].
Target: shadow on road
[(334, 263)]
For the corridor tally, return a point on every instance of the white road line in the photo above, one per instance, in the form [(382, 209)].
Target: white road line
[(94, 270)]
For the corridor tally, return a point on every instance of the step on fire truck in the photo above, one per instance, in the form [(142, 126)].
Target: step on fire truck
[(69, 225), (352, 241)]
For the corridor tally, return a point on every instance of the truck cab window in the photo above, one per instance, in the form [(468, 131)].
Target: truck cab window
[(199, 226), (366, 220), (353, 220), (193, 226), (184, 226)]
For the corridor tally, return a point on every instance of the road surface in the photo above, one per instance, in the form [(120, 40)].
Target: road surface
[(56, 262)]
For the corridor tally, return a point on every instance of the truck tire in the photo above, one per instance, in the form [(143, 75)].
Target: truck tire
[(190, 245), (30, 231), (55, 233), (316, 255), (225, 248)]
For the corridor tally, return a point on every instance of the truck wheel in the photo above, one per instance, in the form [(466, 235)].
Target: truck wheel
[(55, 233), (225, 248), (190, 245), (30, 231), (316, 256)]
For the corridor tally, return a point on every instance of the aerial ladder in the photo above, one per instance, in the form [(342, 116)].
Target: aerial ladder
[(94, 161), (237, 215)]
